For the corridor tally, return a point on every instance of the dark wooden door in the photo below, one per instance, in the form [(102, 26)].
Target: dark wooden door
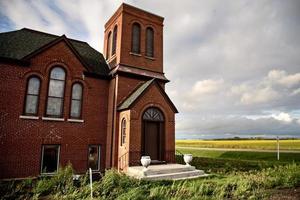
[(151, 139)]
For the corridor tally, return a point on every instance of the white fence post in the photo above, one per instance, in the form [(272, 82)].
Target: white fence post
[(277, 148), (91, 182)]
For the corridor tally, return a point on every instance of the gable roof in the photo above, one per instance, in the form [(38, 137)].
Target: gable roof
[(20, 44), (138, 93)]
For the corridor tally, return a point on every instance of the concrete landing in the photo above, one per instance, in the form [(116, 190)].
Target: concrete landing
[(166, 172)]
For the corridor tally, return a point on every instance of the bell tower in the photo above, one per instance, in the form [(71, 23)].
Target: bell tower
[(133, 41)]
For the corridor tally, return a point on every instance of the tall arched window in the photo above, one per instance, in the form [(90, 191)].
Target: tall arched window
[(136, 37), (149, 42), (76, 102), (108, 45), (56, 92), (32, 96), (114, 42), (123, 131)]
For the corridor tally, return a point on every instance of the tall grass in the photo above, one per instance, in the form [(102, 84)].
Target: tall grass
[(235, 185)]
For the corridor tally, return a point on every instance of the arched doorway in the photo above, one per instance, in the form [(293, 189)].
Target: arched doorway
[(153, 134)]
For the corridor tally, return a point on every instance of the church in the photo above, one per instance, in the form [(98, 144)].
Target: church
[(64, 102)]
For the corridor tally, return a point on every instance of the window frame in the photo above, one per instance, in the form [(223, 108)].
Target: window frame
[(146, 42), (26, 94), (114, 41), (108, 45), (99, 157), (139, 39), (42, 159), (123, 131), (81, 100), (64, 91)]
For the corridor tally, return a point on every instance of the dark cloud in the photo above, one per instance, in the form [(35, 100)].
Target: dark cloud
[(218, 56)]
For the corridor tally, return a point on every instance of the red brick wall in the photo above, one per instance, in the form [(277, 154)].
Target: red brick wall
[(152, 98), (124, 17), (21, 139)]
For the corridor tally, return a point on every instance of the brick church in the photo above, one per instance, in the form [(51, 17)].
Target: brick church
[(64, 102)]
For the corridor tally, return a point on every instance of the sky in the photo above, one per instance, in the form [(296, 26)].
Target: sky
[(234, 65)]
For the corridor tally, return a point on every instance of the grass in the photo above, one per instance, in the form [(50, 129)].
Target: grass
[(241, 144), (235, 185), (243, 155)]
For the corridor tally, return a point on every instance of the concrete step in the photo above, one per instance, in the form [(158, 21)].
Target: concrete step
[(191, 177), (160, 169), (165, 172), (176, 176)]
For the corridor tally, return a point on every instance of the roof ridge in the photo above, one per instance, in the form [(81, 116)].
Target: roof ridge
[(50, 34)]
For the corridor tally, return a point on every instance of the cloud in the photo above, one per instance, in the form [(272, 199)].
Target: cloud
[(281, 77), (285, 117), (226, 60), (207, 86)]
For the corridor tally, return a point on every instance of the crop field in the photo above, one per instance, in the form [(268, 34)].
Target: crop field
[(241, 144), (242, 155)]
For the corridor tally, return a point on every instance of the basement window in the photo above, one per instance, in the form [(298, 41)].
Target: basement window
[(50, 159), (94, 157)]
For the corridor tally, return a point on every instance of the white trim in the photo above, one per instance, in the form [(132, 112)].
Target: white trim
[(28, 117), (53, 119), (76, 120), (150, 58), (135, 54), (42, 160)]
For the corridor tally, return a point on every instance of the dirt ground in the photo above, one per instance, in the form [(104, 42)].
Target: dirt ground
[(286, 194)]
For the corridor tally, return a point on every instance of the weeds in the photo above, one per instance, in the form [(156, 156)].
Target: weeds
[(235, 185)]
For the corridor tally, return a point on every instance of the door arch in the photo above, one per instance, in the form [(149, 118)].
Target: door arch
[(153, 134)]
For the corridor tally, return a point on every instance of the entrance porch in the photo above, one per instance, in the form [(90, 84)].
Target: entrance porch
[(165, 172)]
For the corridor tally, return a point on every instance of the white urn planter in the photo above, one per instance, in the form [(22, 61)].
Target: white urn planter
[(145, 160), (188, 159)]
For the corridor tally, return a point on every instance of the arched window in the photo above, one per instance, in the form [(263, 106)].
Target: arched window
[(149, 42), (136, 37), (32, 96), (123, 131), (76, 101), (56, 92), (108, 45), (153, 114), (114, 42)]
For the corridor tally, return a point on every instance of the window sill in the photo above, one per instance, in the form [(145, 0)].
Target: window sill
[(45, 174), (28, 117), (135, 54), (76, 120), (150, 58), (53, 119)]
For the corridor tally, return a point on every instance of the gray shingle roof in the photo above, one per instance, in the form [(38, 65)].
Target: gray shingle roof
[(133, 97), (21, 43)]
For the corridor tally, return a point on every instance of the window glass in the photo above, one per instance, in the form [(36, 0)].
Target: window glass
[(57, 73), (75, 109), (56, 92), (56, 88), (108, 45), (136, 34), (94, 157), (34, 86), (31, 104), (149, 42), (50, 158), (54, 107), (76, 100), (123, 131), (114, 42), (32, 96)]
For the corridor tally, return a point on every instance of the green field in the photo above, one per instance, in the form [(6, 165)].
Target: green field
[(241, 144), (242, 155)]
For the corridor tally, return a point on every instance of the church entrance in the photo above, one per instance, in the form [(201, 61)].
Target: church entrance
[(153, 134)]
